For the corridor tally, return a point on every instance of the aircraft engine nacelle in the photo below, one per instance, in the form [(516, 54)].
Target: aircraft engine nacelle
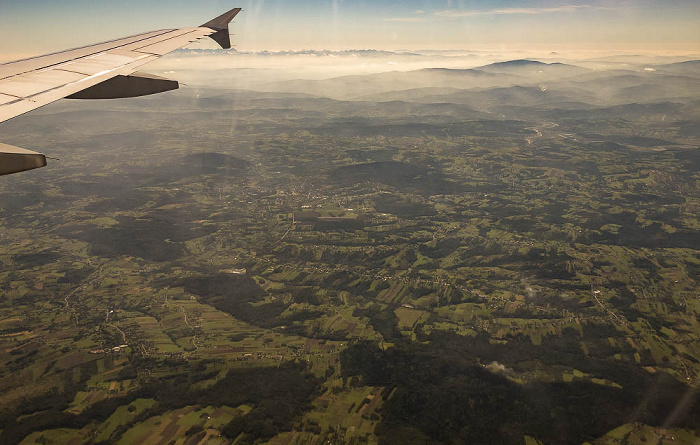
[(133, 85), (15, 160)]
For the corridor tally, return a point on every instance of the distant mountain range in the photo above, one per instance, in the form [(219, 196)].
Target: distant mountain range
[(353, 87), (538, 81), (493, 75), (688, 68), (534, 68)]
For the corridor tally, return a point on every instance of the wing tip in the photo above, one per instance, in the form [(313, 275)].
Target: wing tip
[(222, 21), (220, 26)]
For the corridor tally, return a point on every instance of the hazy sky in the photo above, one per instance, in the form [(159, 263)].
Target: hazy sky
[(40, 26)]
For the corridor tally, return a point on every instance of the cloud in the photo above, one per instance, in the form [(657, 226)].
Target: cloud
[(456, 14), (496, 367), (514, 11), (405, 19), (409, 19), (532, 11)]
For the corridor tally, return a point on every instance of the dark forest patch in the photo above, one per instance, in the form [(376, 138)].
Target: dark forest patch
[(135, 239), (370, 127), (403, 209), (30, 260), (210, 162), (277, 395), (688, 128), (371, 155), (235, 295), (156, 238), (388, 172), (690, 158), (637, 141), (49, 408), (441, 392), (633, 233), (110, 193), (424, 180)]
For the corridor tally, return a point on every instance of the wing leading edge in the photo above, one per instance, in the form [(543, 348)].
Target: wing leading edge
[(102, 71)]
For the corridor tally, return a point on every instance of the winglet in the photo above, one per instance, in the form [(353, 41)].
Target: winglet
[(220, 25)]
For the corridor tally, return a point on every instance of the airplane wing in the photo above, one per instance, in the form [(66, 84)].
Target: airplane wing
[(102, 71)]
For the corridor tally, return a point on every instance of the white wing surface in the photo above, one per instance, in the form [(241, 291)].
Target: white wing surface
[(102, 71)]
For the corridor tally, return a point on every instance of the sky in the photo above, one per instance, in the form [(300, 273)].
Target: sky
[(29, 27)]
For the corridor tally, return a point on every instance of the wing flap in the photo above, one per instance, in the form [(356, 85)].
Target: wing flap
[(173, 42), (50, 60), (101, 63), (32, 84), (5, 99)]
